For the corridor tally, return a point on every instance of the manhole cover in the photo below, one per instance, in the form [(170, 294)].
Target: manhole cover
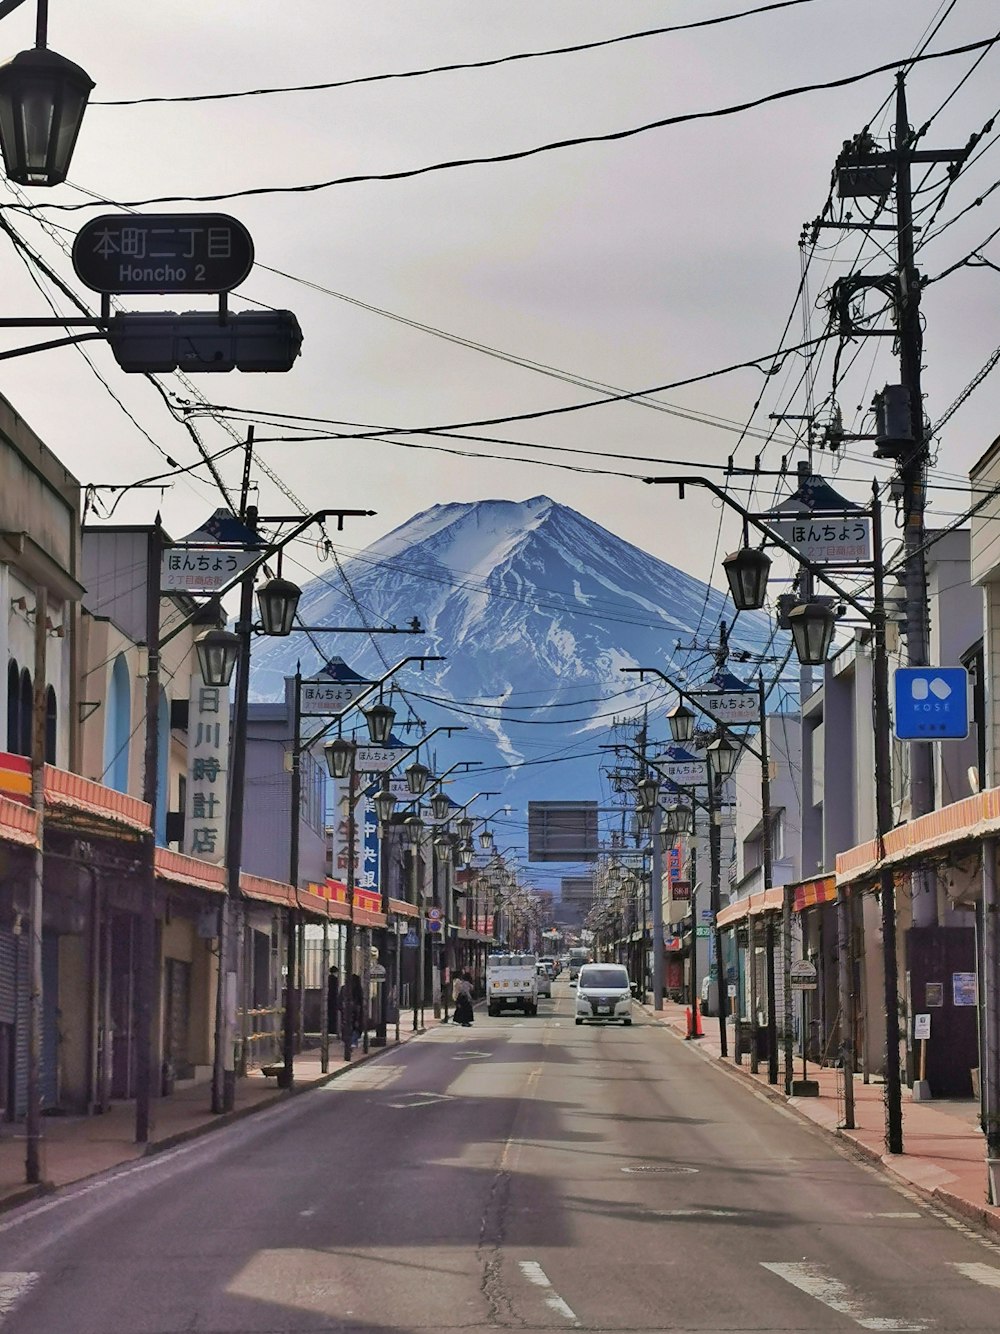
[(660, 1169)]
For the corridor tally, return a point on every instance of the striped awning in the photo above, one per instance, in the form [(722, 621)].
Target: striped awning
[(765, 900), (809, 893), (962, 822)]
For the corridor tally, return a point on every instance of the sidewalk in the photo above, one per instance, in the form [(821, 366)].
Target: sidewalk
[(944, 1152), (74, 1147)]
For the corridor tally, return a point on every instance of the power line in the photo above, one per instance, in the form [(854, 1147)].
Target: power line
[(518, 155), (456, 66)]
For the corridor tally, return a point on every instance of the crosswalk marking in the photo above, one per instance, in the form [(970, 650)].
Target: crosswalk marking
[(817, 1282), (13, 1286), (979, 1273)]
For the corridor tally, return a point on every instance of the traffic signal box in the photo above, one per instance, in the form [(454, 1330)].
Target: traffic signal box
[(203, 341)]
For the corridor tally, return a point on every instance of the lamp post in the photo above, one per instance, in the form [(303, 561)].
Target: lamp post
[(812, 631), (219, 653)]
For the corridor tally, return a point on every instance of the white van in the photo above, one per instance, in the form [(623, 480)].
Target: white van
[(512, 980), (604, 993)]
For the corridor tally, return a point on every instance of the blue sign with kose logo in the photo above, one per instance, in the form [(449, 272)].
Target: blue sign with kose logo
[(931, 703)]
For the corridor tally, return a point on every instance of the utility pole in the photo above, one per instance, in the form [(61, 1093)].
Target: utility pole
[(901, 432), (147, 969), (767, 867), (33, 1118)]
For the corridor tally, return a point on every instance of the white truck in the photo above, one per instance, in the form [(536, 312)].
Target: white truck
[(511, 982)]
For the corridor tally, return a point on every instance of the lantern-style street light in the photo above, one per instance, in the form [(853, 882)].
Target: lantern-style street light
[(440, 805), (277, 602), (722, 757), (812, 625), (644, 818), (678, 820), (747, 571), (681, 721), (380, 718), (385, 804), (648, 790), (42, 100), (340, 753), (486, 840), (218, 653), (418, 776)]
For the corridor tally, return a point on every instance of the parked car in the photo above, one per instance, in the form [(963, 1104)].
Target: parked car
[(544, 980), (604, 993)]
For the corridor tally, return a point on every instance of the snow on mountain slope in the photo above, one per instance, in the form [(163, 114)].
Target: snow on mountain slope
[(536, 608)]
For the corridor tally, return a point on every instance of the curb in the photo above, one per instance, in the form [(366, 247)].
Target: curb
[(25, 1196), (983, 1216)]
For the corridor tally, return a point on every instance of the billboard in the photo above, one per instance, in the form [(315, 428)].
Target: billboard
[(562, 831)]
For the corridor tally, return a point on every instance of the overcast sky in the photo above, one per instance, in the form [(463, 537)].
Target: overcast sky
[(634, 263)]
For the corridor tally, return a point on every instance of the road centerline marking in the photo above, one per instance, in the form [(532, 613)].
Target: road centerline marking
[(535, 1274)]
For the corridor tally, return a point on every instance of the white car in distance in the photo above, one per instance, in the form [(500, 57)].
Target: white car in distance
[(604, 994)]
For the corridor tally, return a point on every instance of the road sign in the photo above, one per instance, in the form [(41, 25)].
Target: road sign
[(827, 541), (162, 252), (803, 975), (202, 569), (730, 706), (330, 697), (411, 940), (932, 703), (434, 914), (376, 759), (706, 914), (434, 926)]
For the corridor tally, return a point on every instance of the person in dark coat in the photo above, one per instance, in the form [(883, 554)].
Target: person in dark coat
[(332, 1001), (461, 990)]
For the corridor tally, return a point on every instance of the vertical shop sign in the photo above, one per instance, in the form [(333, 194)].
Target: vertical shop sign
[(208, 771)]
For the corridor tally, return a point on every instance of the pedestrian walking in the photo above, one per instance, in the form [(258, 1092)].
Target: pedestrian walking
[(461, 990)]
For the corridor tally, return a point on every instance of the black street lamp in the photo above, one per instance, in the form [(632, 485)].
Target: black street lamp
[(486, 840), (722, 757), (418, 776), (42, 100), (812, 625), (648, 790), (385, 804), (681, 720), (440, 805), (380, 718), (442, 849), (464, 828), (644, 818), (678, 820), (277, 602), (747, 571), (340, 753), (218, 653)]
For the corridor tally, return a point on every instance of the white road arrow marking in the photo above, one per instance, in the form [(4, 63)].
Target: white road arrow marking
[(534, 1273), (817, 1282)]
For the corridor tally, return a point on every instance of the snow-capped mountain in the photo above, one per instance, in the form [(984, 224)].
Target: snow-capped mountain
[(535, 609)]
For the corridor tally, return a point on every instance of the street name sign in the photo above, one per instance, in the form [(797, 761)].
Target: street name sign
[(931, 703), (827, 541), (162, 252), (686, 773), (202, 569), (376, 759), (330, 697), (730, 706), (803, 975)]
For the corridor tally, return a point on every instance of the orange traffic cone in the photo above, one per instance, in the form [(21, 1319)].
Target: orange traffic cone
[(698, 1031)]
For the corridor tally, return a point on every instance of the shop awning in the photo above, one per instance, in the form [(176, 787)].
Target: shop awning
[(765, 900), (18, 823), (963, 821), (282, 895), (181, 869), (81, 798), (811, 893)]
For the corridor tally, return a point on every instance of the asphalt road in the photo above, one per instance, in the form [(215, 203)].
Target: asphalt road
[(524, 1174)]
